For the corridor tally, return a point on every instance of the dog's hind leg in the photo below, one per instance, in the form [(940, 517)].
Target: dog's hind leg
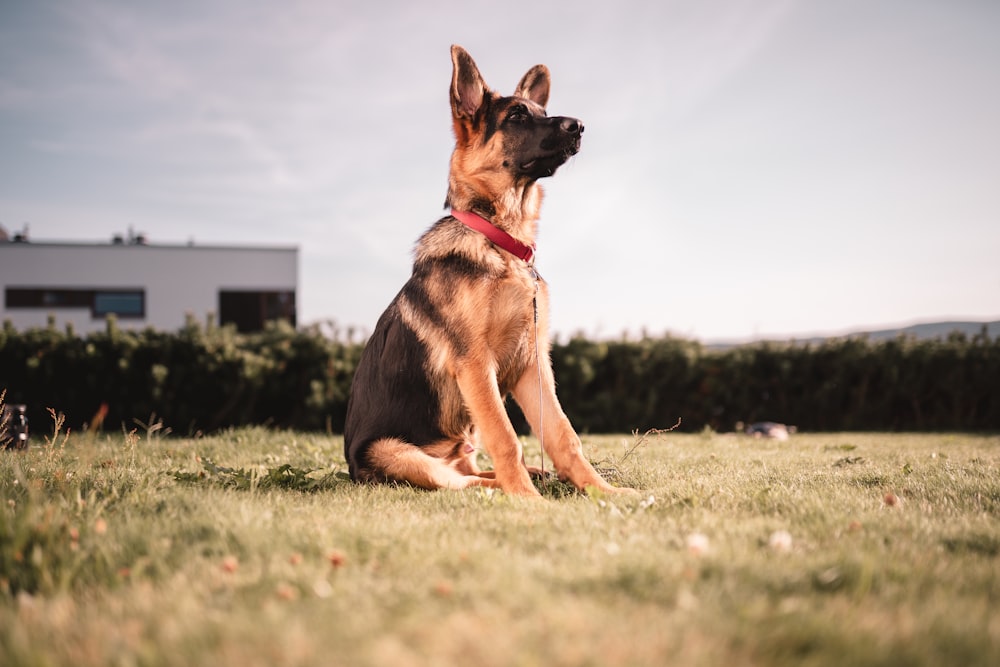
[(400, 461)]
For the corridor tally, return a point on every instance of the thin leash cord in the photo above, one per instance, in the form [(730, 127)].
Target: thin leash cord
[(538, 369)]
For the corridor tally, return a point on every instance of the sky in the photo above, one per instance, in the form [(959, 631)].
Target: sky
[(750, 168)]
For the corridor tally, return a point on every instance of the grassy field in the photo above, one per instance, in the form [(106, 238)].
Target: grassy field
[(250, 548)]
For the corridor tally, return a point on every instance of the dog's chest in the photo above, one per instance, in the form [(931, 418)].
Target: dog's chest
[(514, 328)]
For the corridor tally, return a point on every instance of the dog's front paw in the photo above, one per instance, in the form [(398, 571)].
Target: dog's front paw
[(604, 487), (531, 493), (624, 491)]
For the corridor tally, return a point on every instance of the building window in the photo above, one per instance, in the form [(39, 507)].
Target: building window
[(125, 303), (122, 304), (250, 309)]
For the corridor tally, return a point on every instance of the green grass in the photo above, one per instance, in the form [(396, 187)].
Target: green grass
[(249, 548)]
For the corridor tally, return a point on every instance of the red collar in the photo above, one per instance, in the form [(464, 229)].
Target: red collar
[(495, 234)]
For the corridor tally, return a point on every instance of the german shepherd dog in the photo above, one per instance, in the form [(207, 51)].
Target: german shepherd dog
[(470, 326)]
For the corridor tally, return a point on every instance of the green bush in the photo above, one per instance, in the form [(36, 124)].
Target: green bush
[(204, 378), (201, 378), (839, 384)]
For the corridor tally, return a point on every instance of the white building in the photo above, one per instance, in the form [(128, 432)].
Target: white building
[(145, 284)]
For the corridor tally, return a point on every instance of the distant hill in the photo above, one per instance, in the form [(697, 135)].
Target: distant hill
[(924, 331), (936, 330)]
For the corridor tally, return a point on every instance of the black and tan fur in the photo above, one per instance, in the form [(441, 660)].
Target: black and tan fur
[(460, 335)]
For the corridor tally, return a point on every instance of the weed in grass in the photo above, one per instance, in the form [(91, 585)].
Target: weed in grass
[(987, 545), (154, 427), (621, 469), (285, 476), (848, 461)]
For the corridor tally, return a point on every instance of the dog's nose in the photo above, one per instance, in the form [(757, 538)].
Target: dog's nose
[(571, 126)]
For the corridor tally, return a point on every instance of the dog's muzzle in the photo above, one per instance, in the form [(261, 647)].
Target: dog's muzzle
[(560, 142)]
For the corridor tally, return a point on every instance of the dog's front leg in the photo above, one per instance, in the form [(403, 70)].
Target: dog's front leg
[(478, 385), (547, 419)]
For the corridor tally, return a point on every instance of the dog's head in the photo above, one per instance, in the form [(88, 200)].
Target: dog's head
[(513, 134)]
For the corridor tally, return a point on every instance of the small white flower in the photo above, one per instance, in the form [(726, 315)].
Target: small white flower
[(780, 540), (697, 544), (322, 588)]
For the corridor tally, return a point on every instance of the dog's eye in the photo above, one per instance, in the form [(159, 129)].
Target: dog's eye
[(518, 114)]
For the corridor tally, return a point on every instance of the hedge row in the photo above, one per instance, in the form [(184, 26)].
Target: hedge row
[(201, 378), (840, 384), (204, 378)]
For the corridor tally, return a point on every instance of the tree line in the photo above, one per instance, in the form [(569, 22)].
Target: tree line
[(202, 378)]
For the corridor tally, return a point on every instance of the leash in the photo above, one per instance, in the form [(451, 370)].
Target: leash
[(525, 253), (538, 371)]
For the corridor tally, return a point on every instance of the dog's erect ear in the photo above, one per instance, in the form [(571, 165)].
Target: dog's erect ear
[(535, 85), (467, 85)]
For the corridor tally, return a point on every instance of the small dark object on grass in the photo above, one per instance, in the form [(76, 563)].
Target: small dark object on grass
[(772, 430), (13, 427)]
